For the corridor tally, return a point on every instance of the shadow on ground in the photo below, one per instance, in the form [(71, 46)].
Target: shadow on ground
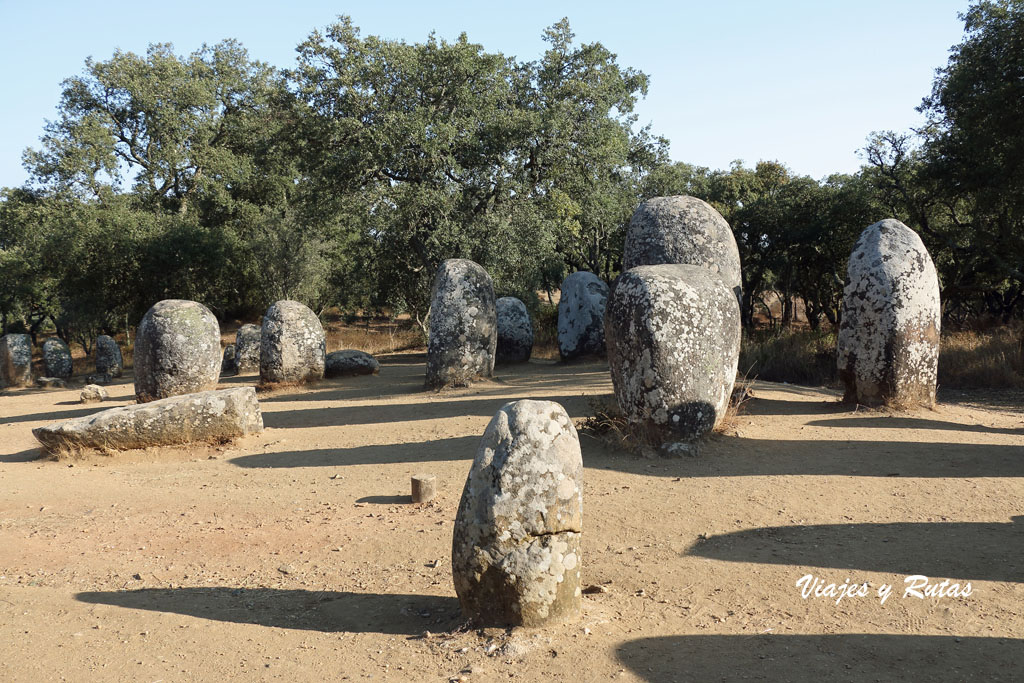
[(898, 422), (459, 448), (733, 456), (955, 550), (813, 658), (328, 611)]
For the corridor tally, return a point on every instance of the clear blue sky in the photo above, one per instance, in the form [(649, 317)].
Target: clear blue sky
[(798, 81)]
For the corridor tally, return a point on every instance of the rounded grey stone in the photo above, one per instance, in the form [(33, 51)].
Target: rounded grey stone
[(673, 347), (93, 393), (57, 358), (463, 336), (292, 344), (515, 331), (108, 356), (682, 229), (247, 349), (516, 542), (16, 360), (177, 350), (581, 315), (888, 345), (350, 362)]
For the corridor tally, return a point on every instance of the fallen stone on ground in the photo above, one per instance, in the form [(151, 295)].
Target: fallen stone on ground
[(205, 416), (350, 362)]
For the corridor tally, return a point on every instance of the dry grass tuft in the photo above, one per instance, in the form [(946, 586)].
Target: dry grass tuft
[(798, 357), (993, 359)]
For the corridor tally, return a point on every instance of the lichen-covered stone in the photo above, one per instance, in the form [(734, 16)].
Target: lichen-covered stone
[(93, 393), (515, 331), (247, 349), (99, 378), (108, 356), (16, 360), (673, 347), (227, 362), (463, 333), (177, 350), (581, 315), (51, 383), (516, 542), (203, 416), (57, 358), (888, 346), (350, 362), (682, 229), (292, 344)]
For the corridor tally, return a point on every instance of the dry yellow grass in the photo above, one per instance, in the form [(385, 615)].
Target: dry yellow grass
[(993, 359)]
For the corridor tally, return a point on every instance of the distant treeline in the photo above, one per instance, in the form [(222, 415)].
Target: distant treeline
[(346, 181)]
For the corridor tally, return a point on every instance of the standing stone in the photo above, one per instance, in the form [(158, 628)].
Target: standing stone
[(673, 347), (177, 350), (57, 358), (515, 331), (247, 349), (682, 229), (581, 315), (516, 543), (227, 362), (292, 344), (888, 346), (16, 360), (463, 332), (108, 356)]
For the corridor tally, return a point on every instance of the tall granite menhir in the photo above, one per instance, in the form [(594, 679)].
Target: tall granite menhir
[(515, 331), (247, 349), (463, 334), (57, 358), (292, 344), (516, 542), (581, 315), (108, 356), (673, 336), (177, 350), (15, 360), (682, 229), (888, 346)]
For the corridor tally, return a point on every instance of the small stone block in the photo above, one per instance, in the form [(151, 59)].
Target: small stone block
[(424, 486)]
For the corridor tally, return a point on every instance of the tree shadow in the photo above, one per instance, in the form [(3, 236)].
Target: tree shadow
[(733, 456), (956, 550), (900, 422), (328, 611), (456, 448), (778, 406), (832, 657)]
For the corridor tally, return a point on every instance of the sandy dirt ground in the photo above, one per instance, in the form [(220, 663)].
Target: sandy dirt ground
[(296, 555)]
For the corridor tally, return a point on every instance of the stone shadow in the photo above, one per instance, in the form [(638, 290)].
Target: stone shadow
[(733, 456), (898, 422), (327, 611), (458, 448), (980, 551), (831, 657)]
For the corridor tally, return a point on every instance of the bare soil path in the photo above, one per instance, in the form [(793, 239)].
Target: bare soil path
[(295, 555)]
